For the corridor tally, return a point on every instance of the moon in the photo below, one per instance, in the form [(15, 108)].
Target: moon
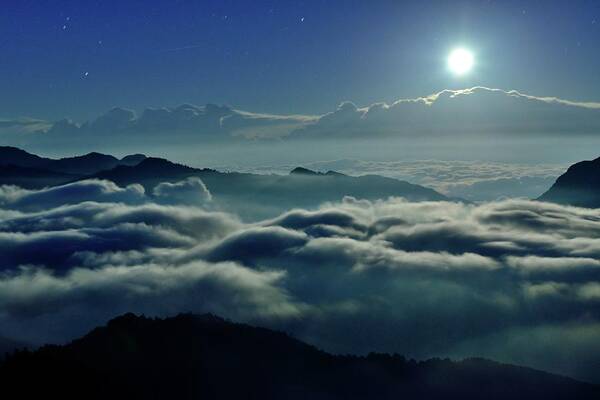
[(460, 61)]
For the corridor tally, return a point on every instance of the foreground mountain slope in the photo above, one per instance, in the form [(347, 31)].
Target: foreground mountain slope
[(207, 357), (579, 186), (8, 346)]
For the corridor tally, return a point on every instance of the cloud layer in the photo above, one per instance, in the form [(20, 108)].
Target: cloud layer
[(474, 111), (450, 113), (199, 123), (471, 180), (515, 280)]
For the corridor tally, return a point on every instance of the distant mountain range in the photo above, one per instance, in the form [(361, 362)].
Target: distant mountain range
[(81, 165), (259, 195), (250, 193), (270, 194), (579, 186), (18, 167), (32, 178), (206, 357)]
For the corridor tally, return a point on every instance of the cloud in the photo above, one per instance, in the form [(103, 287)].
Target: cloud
[(423, 279), (474, 112), (224, 288), (14, 128), (200, 123), (263, 126), (254, 244), (189, 191), (71, 193), (55, 248), (477, 110)]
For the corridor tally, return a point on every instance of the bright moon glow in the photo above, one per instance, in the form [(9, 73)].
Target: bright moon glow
[(460, 61)]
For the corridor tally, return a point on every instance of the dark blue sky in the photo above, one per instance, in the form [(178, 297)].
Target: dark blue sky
[(284, 57)]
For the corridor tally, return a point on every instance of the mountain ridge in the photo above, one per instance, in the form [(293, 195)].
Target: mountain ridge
[(247, 193), (191, 356), (578, 186), (259, 196), (78, 165)]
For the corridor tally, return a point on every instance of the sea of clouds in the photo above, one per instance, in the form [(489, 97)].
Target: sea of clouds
[(513, 280), (471, 180)]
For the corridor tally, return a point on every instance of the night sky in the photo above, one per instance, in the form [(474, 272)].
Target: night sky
[(79, 58)]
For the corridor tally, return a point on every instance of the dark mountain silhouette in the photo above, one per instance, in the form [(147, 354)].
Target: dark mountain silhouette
[(21, 158), (32, 178), (250, 195), (150, 172), (306, 171), (266, 195), (8, 346), (303, 171), (579, 186), (80, 165), (87, 164), (301, 182), (207, 357)]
